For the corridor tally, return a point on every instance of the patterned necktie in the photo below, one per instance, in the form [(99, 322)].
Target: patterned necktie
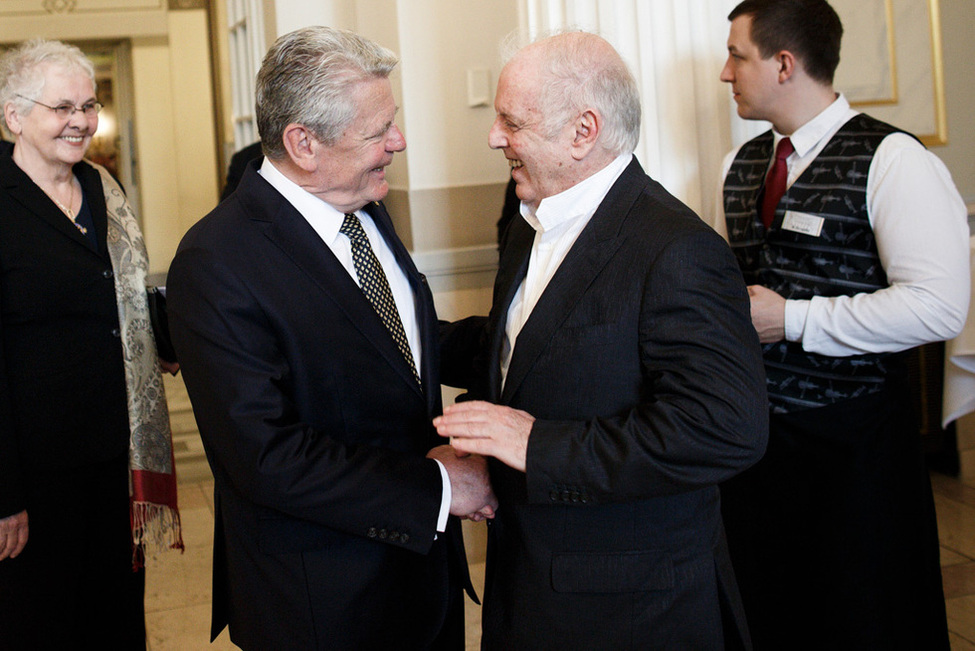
[(775, 182), (376, 287)]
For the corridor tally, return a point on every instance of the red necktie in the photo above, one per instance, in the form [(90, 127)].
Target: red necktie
[(775, 182)]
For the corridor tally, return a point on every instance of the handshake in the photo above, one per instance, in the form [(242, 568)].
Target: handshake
[(479, 428), (471, 495)]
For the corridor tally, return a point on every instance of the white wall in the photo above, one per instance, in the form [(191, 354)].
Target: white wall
[(294, 14), (957, 17), (174, 132), (440, 41)]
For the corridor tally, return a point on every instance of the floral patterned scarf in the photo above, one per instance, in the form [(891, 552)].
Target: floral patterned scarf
[(152, 479)]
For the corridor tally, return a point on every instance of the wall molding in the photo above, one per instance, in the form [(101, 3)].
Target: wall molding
[(176, 5), (460, 271), (457, 261)]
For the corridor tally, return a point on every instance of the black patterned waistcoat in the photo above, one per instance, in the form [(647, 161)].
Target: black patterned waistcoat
[(835, 256)]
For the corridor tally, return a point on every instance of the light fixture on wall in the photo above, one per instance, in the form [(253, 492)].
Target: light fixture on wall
[(107, 127)]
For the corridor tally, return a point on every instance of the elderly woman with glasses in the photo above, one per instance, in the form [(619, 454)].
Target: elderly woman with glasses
[(86, 464)]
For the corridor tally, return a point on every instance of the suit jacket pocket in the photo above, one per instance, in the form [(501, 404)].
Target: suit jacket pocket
[(616, 572)]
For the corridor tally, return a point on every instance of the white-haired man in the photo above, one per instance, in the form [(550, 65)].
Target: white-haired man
[(622, 378)]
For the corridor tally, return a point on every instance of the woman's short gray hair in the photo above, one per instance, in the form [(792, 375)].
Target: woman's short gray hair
[(582, 70), (22, 73), (306, 77)]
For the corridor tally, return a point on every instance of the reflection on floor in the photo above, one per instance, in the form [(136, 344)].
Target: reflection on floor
[(178, 585)]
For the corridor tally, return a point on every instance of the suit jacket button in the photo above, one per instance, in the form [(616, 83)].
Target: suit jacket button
[(116, 332), (404, 538), (108, 273), (554, 496), (382, 534), (372, 532), (394, 535), (565, 496)]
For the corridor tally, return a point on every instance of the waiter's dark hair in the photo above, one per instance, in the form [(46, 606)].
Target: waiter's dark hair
[(810, 29)]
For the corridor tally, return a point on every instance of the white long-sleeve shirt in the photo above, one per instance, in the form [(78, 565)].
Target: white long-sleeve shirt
[(921, 228), (558, 221)]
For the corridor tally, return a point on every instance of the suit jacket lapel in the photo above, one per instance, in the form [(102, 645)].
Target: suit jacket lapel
[(426, 314), (511, 272), (595, 246), (34, 201), (290, 232), (95, 193)]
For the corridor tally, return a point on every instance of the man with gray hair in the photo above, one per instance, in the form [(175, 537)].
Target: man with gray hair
[(619, 381), (308, 345)]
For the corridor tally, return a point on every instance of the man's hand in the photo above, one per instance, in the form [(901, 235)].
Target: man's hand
[(471, 495), (13, 535), (484, 428), (768, 314)]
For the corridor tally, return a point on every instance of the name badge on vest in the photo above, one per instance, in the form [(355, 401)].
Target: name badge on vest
[(802, 222)]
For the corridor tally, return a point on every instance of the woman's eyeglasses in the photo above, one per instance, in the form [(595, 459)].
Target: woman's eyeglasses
[(65, 111)]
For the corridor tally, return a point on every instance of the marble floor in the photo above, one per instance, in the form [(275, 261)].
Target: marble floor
[(178, 585)]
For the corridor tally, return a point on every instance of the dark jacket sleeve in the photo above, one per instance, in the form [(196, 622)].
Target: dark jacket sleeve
[(12, 498), (463, 350), (702, 413), (249, 399)]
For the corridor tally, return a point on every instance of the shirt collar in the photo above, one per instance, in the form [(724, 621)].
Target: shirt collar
[(325, 219), (581, 199), (808, 135)]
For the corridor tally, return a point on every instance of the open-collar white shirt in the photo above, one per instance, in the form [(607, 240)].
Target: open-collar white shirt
[(557, 221)]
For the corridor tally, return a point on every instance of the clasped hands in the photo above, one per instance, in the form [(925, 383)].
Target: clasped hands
[(13, 535), (476, 430)]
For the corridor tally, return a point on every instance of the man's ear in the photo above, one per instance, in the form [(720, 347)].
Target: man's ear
[(302, 146), (786, 62), (588, 126)]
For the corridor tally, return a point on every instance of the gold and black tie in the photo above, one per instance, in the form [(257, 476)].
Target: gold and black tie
[(374, 285)]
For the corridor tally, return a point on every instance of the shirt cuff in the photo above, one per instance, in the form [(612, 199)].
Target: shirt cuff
[(444, 500), (795, 319)]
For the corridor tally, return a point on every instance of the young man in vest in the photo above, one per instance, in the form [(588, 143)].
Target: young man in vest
[(861, 253)]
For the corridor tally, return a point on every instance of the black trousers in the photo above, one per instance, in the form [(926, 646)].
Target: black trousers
[(73, 585), (833, 533)]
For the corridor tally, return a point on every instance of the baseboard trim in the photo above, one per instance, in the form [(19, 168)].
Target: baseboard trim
[(456, 261)]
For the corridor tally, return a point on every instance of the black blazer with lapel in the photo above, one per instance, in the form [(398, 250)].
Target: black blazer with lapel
[(62, 380), (316, 432), (645, 374)]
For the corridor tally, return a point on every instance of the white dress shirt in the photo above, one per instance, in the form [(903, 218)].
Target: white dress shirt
[(921, 229), (326, 221), (557, 221)]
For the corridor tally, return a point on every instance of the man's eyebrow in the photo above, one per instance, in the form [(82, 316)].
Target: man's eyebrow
[(508, 117), (386, 127)]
